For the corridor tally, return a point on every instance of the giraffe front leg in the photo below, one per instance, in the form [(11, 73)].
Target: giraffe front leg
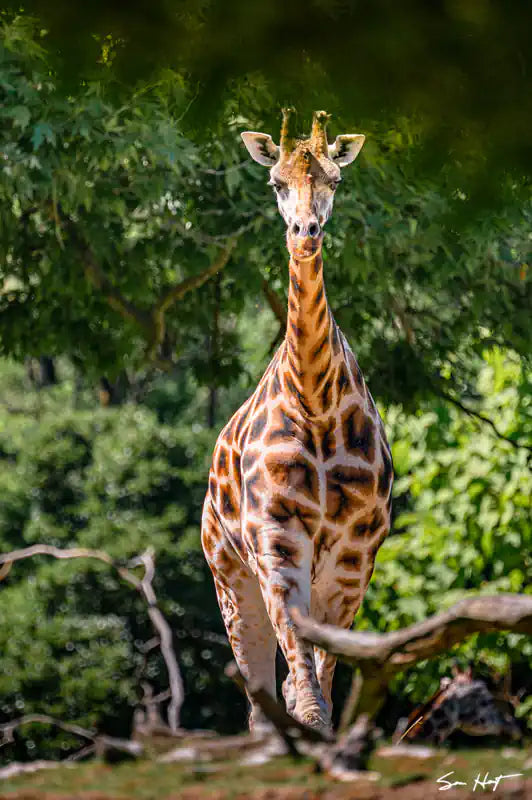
[(284, 566), (334, 605), (325, 666)]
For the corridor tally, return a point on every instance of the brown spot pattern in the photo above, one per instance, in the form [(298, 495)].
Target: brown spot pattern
[(350, 560), (293, 473), (258, 425), (359, 434), (386, 473), (366, 528)]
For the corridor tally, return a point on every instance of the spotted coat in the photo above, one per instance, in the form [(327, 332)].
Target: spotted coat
[(299, 499)]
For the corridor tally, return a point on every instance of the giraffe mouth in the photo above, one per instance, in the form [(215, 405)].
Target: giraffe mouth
[(303, 247)]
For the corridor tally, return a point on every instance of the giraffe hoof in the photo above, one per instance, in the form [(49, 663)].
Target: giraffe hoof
[(316, 721)]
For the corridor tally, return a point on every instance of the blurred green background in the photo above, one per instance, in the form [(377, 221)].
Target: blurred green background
[(123, 175)]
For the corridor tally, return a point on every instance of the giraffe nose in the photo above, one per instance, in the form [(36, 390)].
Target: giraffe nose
[(306, 228)]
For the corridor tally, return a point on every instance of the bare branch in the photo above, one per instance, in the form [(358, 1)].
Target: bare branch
[(128, 310), (177, 292), (143, 586), (100, 742), (83, 752), (16, 768), (57, 552), (174, 675), (380, 656), (403, 648), (7, 729)]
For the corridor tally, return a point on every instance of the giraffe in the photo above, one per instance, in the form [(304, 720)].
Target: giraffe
[(299, 494), (460, 704)]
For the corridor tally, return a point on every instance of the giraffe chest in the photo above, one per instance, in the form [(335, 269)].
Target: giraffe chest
[(319, 472)]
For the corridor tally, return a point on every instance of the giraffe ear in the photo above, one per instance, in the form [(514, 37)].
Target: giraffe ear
[(346, 148), (261, 148)]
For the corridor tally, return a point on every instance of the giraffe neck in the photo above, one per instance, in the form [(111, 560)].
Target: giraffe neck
[(311, 336)]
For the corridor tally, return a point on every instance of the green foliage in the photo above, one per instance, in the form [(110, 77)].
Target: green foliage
[(71, 633), (463, 521), (103, 175), (133, 181), (90, 177), (462, 67)]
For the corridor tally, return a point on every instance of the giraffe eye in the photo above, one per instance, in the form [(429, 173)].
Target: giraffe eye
[(277, 185), (334, 184)]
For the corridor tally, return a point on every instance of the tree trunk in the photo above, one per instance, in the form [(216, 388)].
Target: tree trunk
[(47, 375), (41, 371)]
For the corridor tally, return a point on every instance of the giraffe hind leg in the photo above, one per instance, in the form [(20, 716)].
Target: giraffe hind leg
[(248, 626)]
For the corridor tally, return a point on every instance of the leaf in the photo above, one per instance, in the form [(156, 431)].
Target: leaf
[(232, 180), (21, 116), (42, 132)]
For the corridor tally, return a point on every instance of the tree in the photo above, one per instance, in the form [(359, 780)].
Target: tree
[(111, 216)]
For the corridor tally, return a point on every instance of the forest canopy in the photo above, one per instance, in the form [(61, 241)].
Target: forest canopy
[(112, 209), (463, 66)]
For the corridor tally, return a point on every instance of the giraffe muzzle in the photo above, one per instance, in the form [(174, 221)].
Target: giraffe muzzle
[(302, 247), (305, 230)]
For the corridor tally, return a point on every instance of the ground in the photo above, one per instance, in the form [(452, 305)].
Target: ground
[(401, 779)]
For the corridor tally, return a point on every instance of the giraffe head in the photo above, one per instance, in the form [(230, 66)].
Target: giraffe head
[(304, 174), (461, 703)]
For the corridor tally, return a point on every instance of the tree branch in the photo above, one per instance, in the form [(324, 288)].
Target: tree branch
[(380, 656), (151, 321), (144, 586), (177, 292), (165, 638), (17, 768), (114, 296), (477, 415), (101, 742), (403, 648)]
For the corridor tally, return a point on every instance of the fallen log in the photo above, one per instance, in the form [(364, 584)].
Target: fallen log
[(100, 743)]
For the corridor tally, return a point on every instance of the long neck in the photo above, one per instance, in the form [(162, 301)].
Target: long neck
[(311, 335)]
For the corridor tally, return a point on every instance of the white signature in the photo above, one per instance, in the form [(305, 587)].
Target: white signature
[(482, 783)]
